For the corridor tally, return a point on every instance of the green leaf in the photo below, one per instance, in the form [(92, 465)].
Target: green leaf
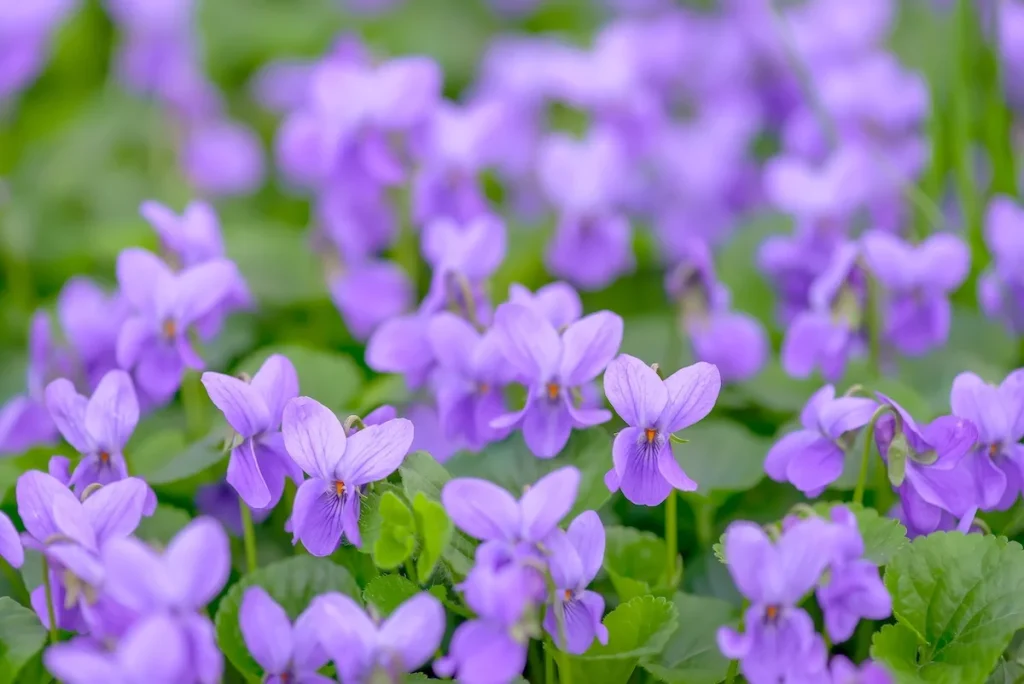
[(635, 562), (293, 583), (397, 538), (656, 338), (511, 465), (21, 638), (332, 379), (637, 629), (435, 532), (957, 602), (774, 389), (277, 263), (722, 456), (422, 474), (161, 527), (883, 537), (691, 655), (371, 520), (387, 592), (162, 459)]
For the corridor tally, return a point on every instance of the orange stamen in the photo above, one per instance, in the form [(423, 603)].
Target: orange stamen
[(104, 457), (650, 434), (339, 487), (553, 391), (170, 328), (771, 612), (568, 595)]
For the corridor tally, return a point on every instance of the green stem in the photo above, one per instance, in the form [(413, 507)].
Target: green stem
[(50, 613), (869, 435), (549, 667), (671, 536), (564, 669), (874, 306), (248, 537), (734, 668), (192, 402)]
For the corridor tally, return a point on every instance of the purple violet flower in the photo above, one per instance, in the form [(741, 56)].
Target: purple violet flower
[(363, 650), (469, 382), (851, 589), (843, 671), (177, 583), (369, 294), (779, 637), (645, 469), (190, 239), (90, 320), (1001, 287), (223, 158), (831, 331), (153, 651), (574, 560), (154, 343), (812, 458), (997, 462), (918, 281), (734, 342), (592, 244), (286, 653), (936, 477), (97, 427), (259, 465), (554, 366), (558, 302), (340, 467), (485, 511)]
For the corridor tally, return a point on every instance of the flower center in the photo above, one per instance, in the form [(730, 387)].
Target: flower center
[(170, 329), (104, 457), (568, 595), (771, 613), (993, 450), (339, 487), (483, 388), (650, 434), (553, 390)]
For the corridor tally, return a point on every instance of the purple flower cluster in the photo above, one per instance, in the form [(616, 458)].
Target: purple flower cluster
[(776, 573), (25, 35), (522, 545)]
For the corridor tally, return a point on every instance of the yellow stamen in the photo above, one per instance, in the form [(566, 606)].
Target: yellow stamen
[(339, 487), (650, 434)]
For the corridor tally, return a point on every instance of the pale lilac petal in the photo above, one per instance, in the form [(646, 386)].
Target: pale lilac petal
[(528, 341), (692, 392), (483, 652), (814, 405), (139, 272), (889, 259), (943, 260), (67, 409), (640, 479), (277, 383), (36, 494), (199, 560), (414, 631), (819, 464), (136, 575), (563, 561), (112, 412), (545, 503), (245, 475), (587, 347), (73, 524), (198, 290), (116, 509), (314, 437), (788, 450), (982, 404), (81, 662), (845, 414), (308, 652), (317, 517), (481, 509), (346, 633), (586, 417), (454, 341), (749, 543), (801, 559), (350, 510), (586, 534), (241, 403), (673, 472), (989, 479), (266, 629), (135, 335), (11, 549), (1012, 392), (207, 662), (154, 650), (547, 426), (375, 452), (579, 626), (635, 391)]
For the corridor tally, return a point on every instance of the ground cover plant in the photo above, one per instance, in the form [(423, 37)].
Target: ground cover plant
[(557, 341)]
